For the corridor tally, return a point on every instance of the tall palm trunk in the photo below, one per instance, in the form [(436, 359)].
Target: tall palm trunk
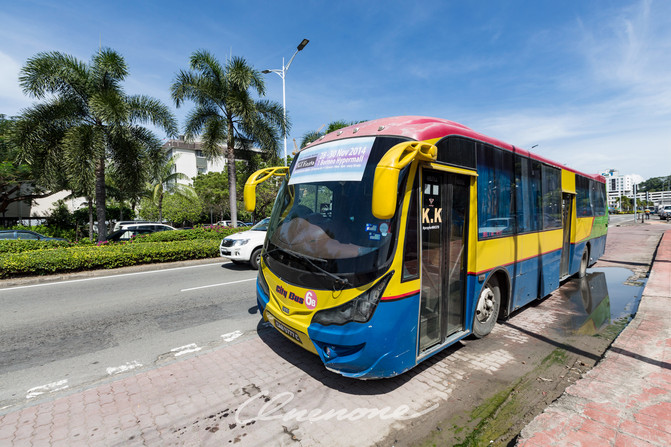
[(89, 200), (160, 206), (230, 150), (100, 199)]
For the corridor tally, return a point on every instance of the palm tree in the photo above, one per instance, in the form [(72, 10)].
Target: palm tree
[(314, 135), (87, 122), (226, 113), (164, 180)]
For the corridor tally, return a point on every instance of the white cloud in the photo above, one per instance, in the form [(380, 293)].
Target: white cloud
[(622, 112), (12, 98)]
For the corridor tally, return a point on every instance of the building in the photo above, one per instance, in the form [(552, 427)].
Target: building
[(618, 185), (189, 158), (623, 185)]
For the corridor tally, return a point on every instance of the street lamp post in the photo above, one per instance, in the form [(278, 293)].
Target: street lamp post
[(282, 73)]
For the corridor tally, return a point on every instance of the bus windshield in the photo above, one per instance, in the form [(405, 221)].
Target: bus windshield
[(322, 231)]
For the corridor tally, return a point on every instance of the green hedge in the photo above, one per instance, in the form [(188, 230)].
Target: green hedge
[(210, 233), (107, 256), (24, 258), (14, 246)]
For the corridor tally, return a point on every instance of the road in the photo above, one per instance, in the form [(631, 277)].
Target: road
[(260, 389), (73, 332)]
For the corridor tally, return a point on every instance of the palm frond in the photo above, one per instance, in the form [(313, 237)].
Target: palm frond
[(146, 109)]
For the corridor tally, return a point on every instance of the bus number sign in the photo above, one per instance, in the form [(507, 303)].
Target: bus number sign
[(310, 300)]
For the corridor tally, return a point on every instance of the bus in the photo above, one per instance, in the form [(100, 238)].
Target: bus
[(392, 239)]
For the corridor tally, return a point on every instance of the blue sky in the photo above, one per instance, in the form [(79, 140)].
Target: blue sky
[(589, 82)]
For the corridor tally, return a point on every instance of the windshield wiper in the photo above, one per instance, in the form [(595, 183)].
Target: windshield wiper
[(309, 260)]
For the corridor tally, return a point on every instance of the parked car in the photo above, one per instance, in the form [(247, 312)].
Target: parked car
[(151, 226), (27, 235), (130, 230), (246, 246), (665, 212), (126, 235), (144, 224), (228, 223)]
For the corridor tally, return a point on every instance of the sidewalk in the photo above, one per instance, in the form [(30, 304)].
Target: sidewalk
[(626, 399)]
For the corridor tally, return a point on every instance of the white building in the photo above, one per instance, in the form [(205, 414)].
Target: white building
[(618, 185), (623, 185), (189, 158)]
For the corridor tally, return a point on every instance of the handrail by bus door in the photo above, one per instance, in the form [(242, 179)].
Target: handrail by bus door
[(256, 178), (385, 182)]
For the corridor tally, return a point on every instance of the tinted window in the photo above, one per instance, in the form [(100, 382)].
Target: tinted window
[(410, 260), (583, 206), (551, 198), (496, 215), (457, 151), (27, 235), (598, 198)]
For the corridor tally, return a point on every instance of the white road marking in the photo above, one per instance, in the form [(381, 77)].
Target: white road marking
[(123, 368), (217, 285), (68, 281), (185, 349), (231, 336), (48, 388)]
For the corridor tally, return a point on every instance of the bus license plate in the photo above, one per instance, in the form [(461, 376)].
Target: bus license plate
[(287, 330)]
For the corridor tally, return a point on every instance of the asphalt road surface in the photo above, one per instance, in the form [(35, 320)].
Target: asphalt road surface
[(68, 333)]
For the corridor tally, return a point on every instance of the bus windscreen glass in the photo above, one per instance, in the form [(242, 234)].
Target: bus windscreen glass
[(322, 222)]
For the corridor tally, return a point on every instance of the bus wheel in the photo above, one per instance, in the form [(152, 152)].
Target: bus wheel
[(487, 310), (583, 263), (255, 259)]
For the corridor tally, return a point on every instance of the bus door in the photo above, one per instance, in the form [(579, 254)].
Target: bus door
[(567, 205), (444, 223)]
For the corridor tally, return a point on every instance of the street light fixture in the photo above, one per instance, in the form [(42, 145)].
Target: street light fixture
[(282, 73)]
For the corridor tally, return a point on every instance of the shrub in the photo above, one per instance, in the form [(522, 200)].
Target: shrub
[(22, 258), (207, 233), (90, 257), (19, 246)]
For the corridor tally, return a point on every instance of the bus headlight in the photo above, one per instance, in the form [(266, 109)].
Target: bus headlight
[(360, 309), (263, 284)]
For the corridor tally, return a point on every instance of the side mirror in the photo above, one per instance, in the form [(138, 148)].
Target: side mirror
[(260, 176), (385, 182)]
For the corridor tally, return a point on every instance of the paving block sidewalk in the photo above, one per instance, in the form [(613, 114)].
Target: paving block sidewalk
[(626, 399)]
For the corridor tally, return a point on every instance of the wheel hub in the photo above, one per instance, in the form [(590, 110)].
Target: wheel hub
[(485, 305)]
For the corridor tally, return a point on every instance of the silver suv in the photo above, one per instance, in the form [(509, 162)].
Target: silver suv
[(665, 212)]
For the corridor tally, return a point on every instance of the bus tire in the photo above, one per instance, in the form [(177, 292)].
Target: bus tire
[(487, 309), (582, 271), (255, 259)]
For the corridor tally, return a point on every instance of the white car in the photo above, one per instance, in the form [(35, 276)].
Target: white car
[(245, 246), (665, 212)]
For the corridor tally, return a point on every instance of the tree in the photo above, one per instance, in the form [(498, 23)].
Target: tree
[(225, 112), (180, 209), (311, 136), (212, 190), (17, 181), (655, 184), (165, 180), (86, 122)]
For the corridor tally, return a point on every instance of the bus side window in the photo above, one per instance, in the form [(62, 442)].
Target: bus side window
[(583, 206), (410, 249), (496, 213), (551, 198)]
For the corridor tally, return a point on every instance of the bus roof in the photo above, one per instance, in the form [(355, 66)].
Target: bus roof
[(420, 128)]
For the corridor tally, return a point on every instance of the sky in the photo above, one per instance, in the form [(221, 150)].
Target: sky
[(588, 83)]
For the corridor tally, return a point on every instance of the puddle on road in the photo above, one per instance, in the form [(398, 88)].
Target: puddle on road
[(602, 297)]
